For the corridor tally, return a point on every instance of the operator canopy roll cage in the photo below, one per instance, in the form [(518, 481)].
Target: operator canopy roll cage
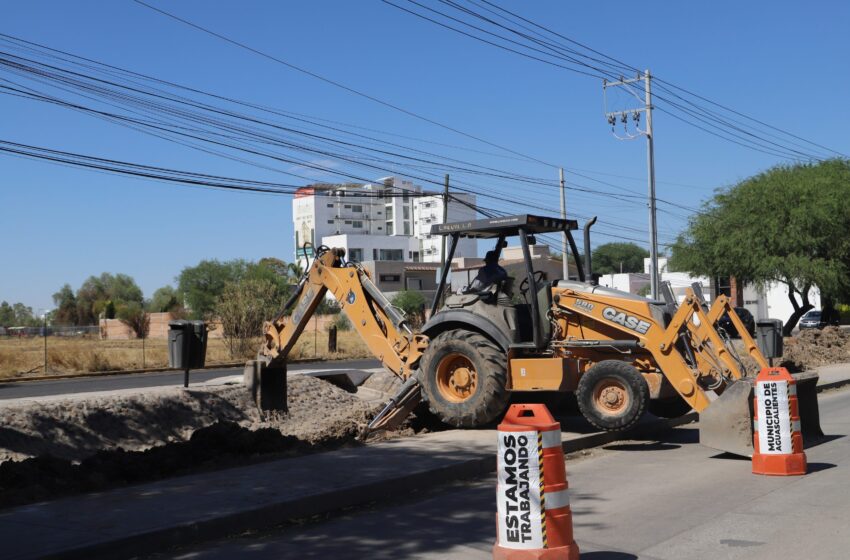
[(524, 226)]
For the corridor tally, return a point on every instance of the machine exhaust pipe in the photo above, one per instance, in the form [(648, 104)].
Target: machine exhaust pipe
[(588, 264)]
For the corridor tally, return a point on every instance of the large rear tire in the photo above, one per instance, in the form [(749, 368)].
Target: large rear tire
[(612, 395), (463, 375)]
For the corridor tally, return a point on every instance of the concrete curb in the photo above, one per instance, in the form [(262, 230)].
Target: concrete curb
[(833, 385), (151, 370)]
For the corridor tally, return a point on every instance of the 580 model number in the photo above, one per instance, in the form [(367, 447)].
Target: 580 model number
[(628, 321)]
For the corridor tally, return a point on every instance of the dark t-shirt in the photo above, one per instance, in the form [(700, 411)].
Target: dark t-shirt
[(487, 276)]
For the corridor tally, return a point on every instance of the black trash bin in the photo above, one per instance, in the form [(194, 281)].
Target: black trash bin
[(198, 350), (769, 338), (179, 340)]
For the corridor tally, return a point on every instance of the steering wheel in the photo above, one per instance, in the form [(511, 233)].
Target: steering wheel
[(538, 278)]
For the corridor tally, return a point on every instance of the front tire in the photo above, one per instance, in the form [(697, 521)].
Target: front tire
[(612, 395), (463, 375)]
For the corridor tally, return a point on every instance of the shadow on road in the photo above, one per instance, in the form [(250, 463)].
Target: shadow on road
[(607, 555), (648, 446), (817, 467)]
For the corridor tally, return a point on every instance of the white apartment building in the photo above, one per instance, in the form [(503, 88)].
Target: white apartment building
[(389, 219)]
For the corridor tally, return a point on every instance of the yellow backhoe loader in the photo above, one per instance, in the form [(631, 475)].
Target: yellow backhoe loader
[(621, 354)]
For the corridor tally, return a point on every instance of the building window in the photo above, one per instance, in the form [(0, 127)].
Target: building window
[(406, 212), (415, 256), (330, 221), (347, 206), (407, 228), (389, 212), (357, 223), (357, 208), (414, 284), (390, 277), (389, 228), (355, 254), (379, 212), (348, 222), (330, 205), (391, 254), (374, 254), (380, 227)]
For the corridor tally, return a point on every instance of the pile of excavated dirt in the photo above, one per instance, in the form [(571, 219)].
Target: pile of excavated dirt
[(81, 445), (76, 428), (813, 348)]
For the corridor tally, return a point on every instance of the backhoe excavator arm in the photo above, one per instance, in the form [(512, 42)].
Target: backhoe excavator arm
[(382, 327)]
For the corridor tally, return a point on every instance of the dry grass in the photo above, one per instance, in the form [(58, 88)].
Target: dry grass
[(21, 357)]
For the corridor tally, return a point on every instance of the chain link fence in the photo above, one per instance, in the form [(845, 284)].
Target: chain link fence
[(56, 350)]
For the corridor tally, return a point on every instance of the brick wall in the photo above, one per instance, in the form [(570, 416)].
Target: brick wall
[(114, 329)]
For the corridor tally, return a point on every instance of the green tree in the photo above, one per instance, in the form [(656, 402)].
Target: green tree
[(413, 305), (262, 271), (66, 306), (7, 315), (611, 258), (242, 307), (103, 294), (165, 299), (17, 315), (201, 285), (134, 316), (788, 225), (23, 316)]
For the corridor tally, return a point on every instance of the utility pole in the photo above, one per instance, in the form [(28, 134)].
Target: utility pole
[(445, 220), (650, 170), (623, 117), (564, 264)]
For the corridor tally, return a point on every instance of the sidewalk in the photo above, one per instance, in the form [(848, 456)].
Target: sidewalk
[(150, 517)]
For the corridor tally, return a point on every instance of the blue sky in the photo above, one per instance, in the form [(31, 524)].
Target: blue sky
[(783, 62)]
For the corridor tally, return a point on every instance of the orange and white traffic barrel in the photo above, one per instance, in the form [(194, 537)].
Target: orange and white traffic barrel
[(777, 437), (534, 519)]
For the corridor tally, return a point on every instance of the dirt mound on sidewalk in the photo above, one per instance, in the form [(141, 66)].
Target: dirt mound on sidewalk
[(93, 443), (76, 428), (813, 348)]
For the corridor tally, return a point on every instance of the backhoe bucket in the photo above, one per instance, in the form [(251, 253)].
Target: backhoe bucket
[(727, 424)]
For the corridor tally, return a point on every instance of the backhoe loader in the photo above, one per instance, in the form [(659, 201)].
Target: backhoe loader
[(621, 354)]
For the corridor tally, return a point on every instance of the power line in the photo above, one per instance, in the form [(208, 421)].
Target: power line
[(699, 117), (340, 85), (482, 170), (157, 125)]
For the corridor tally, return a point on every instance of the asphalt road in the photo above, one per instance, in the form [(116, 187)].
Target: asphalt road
[(668, 499), (29, 389)]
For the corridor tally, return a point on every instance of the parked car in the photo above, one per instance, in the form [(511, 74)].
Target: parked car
[(814, 319), (746, 317)]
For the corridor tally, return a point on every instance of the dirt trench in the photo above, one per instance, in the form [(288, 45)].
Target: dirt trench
[(70, 446)]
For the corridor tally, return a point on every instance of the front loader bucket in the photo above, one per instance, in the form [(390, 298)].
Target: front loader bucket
[(807, 402), (727, 424)]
